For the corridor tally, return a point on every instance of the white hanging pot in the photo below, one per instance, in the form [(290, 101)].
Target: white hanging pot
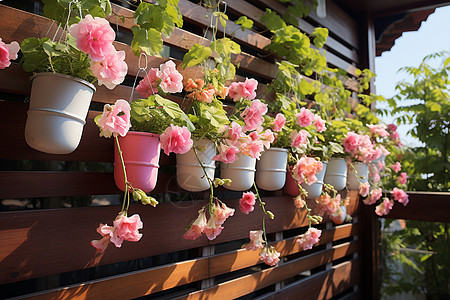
[(314, 190), (271, 169), (336, 173), (58, 107), (241, 172), (354, 179), (190, 175)]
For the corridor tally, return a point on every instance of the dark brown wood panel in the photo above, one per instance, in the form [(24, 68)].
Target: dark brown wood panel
[(247, 284), (22, 234), (153, 280), (423, 206), (324, 285)]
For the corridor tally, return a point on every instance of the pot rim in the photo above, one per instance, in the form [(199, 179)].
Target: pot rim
[(143, 133), (82, 81)]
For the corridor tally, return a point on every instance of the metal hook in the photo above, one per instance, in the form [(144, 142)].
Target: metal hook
[(144, 55)]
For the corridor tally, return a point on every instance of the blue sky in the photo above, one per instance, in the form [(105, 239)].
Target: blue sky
[(409, 50)]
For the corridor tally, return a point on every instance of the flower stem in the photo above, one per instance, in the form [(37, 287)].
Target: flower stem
[(126, 196), (263, 209), (211, 187)]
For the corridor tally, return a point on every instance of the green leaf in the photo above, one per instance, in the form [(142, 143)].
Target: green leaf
[(197, 54), (244, 22), (149, 41), (272, 20), (320, 36)]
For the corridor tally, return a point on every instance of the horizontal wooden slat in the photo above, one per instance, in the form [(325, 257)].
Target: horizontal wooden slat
[(74, 233), (153, 280), (323, 285), (247, 284), (423, 206)]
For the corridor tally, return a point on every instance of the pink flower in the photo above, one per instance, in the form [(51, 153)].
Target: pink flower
[(266, 138), (222, 213), (246, 90), (400, 195), (269, 255), (402, 178), (279, 122), (384, 207), (171, 79), (204, 95), (8, 52), (212, 230), (149, 84), (308, 239), (196, 229), (320, 124), (253, 116), (305, 117), (379, 129), (395, 136), (327, 204), (94, 37), (227, 154), (112, 70), (252, 148), (176, 139), (299, 202), (247, 202), (392, 127), (338, 217), (351, 142), (256, 241), (124, 229), (396, 167), (364, 189), (115, 119), (306, 169), (374, 196), (234, 133), (298, 138)]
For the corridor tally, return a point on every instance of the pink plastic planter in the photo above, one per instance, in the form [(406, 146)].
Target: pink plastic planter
[(140, 152)]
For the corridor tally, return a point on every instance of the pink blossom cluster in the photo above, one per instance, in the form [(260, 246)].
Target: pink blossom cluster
[(8, 52), (306, 169), (384, 207), (393, 134), (166, 77), (253, 116), (247, 202), (176, 139), (94, 36), (269, 255), (279, 122), (400, 196), (338, 217), (299, 138), (124, 229), (234, 140), (305, 118), (115, 119), (375, 194), (308, 239), (328, 205), (212, 227), (378, 130), (361, 147), (256, 240), (364, 189), (243, 90)]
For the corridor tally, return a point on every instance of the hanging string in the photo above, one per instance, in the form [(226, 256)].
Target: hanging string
[(142, 56)]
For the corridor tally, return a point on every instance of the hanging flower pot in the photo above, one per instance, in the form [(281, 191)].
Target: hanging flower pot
[(271, 169), (354, 179), (336, 173), (190, 175), (314, 190), (241, 172), (140, 152), (57, 113)]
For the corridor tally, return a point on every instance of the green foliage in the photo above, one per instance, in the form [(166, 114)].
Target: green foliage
[(197, 54), (208, 118), (297, 9), (58, 10), (43, 55), (320, 36), (156, 113), (152, 20), (244, 22)]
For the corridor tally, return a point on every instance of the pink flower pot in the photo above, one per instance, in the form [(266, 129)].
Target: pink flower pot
[(290, 187), (140, 151)]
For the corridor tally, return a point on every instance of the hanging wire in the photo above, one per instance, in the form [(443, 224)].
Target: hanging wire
[(143, 68)]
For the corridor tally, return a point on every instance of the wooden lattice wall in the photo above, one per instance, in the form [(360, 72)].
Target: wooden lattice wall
[(45, 230)]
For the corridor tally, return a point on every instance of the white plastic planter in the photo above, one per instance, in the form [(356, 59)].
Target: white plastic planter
[(336, 173), (271, 169), (241, 172), (354, 179), (315, 190), (57, 113), (190, 175)]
